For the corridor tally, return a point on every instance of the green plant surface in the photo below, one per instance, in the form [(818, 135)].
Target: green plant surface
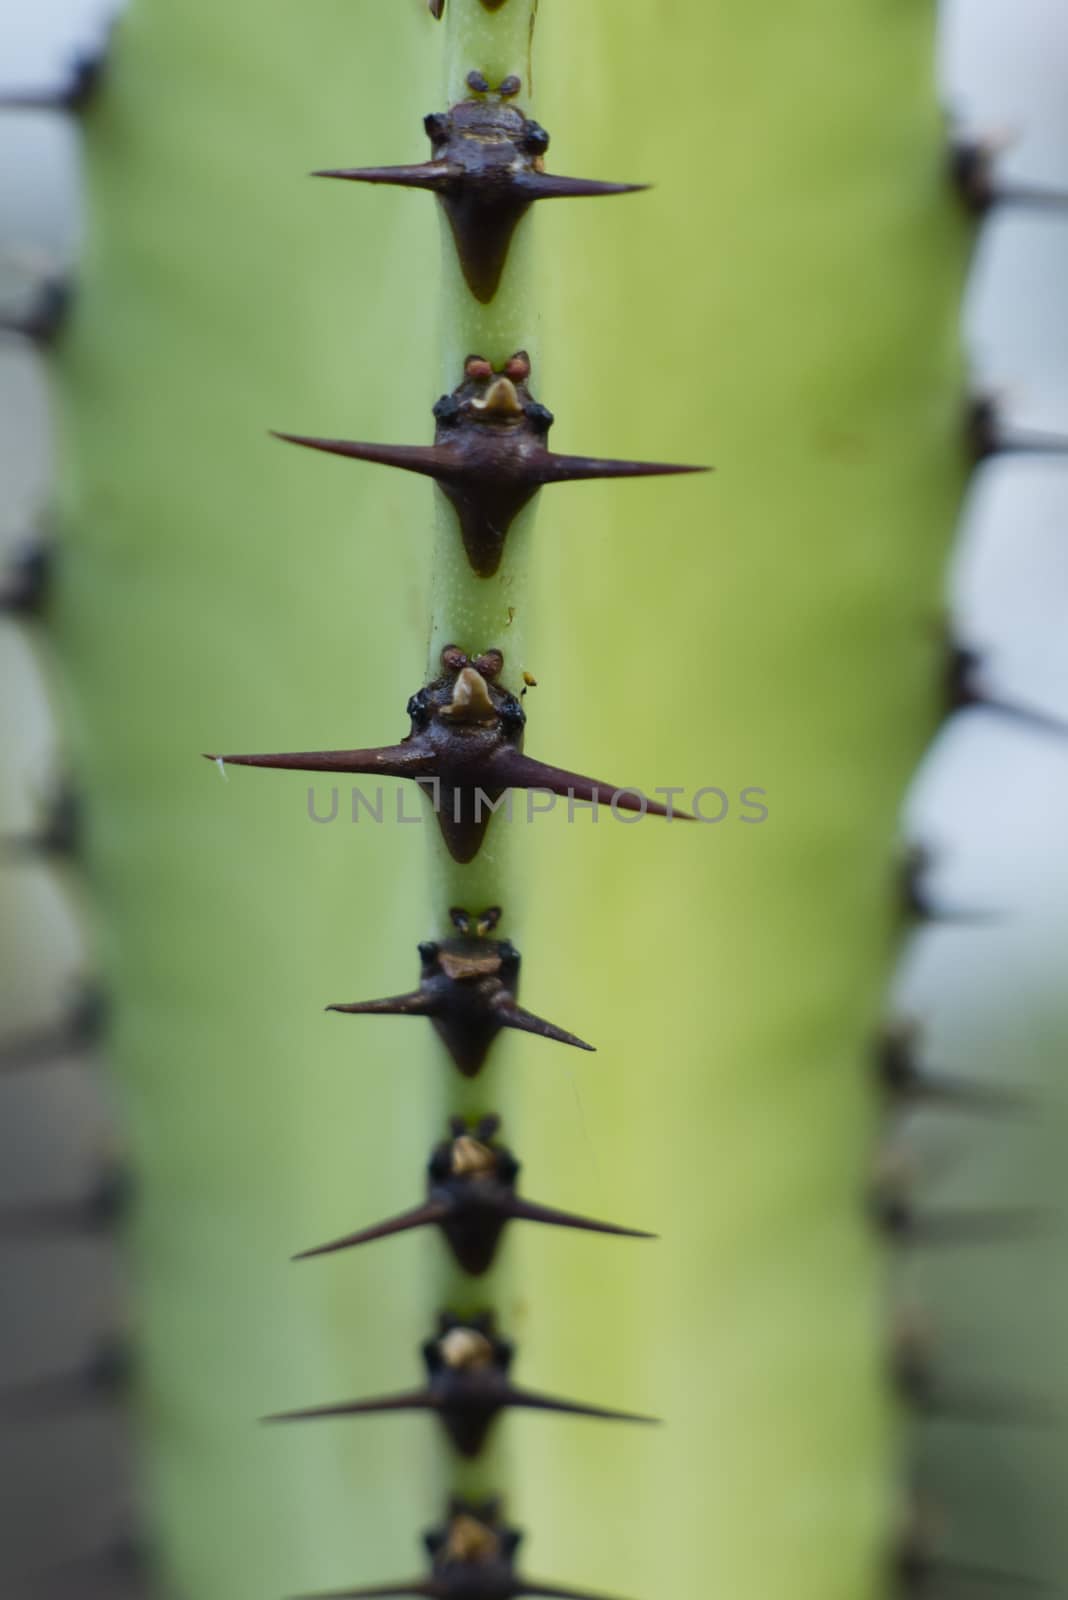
[(783, 304)]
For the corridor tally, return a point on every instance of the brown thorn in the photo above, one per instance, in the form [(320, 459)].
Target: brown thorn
[(522, 1210), (577, 469), (529, 186), (406, 1400), (513, 1016), (426, 459), (418, 1217), (392, 761), (414, 1004), (433, 175), (531, 1400), (513, 770)]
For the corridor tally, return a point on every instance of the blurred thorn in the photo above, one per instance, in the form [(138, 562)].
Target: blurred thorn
[(75, 93), (914, 1363), (103, 1206), (904, 1081), (120, 1570), (26, 580), (44, 320), (919, 1570), (472, 1558), (103, 1379), (59, 832), (79, 1029), (898, 1221), (964, 688), (917, 902), (973, 171), (893, 1212), (987, 434)]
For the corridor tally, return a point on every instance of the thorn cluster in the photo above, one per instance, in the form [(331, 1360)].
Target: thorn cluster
[(467, 988), (471, 1195), (490, 455), (487, 168), (465, 749), (472, 1557), (468, 1385)]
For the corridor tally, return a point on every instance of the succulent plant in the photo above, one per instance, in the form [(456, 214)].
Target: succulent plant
[(782, 302)]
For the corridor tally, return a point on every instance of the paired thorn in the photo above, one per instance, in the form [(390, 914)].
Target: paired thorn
[(103, 1206), (26, 580), (102, 1379), (472, 1557), (471, 1195), (904, 1081), (468, 1386), (490, 455), (467, 989), (486, 169), (464, 748), (80, 1028)]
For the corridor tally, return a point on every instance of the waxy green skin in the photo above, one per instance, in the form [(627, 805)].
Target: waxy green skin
[(789, 316)]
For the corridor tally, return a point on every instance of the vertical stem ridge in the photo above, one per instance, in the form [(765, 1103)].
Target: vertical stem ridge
[(476, 614)]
